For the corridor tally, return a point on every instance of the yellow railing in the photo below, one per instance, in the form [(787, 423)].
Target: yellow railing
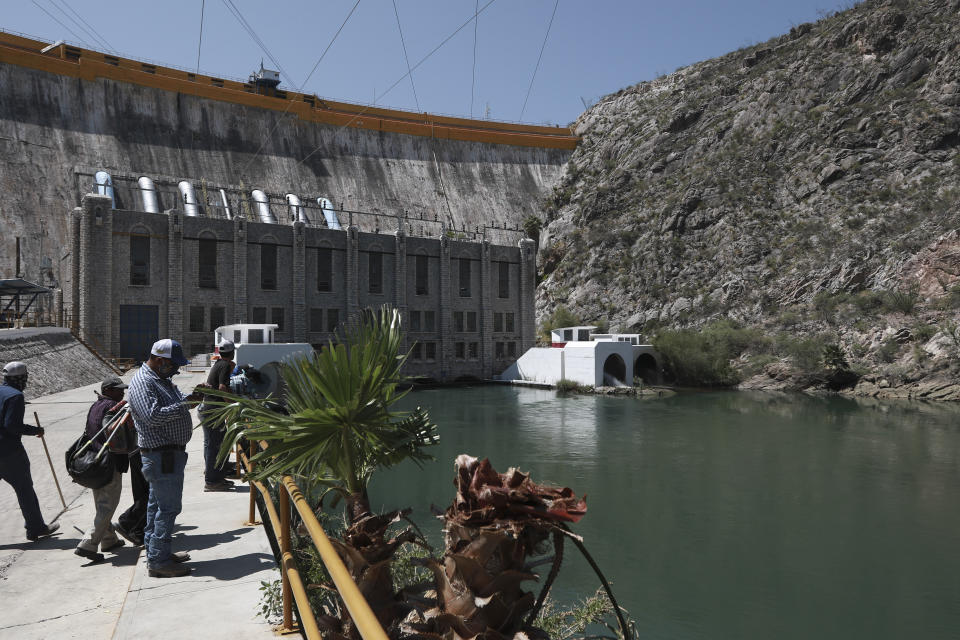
[(291, 584)]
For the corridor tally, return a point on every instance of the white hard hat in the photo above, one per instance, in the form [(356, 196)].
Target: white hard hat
[(15, 369)]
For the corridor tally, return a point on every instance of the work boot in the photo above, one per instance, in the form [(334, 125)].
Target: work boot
[(179, 556), (46, 533), (132, 538), (223, 485), (110, 546), (92, 556), (169, 570)]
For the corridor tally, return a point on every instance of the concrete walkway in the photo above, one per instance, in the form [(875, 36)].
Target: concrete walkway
[(48, 592)]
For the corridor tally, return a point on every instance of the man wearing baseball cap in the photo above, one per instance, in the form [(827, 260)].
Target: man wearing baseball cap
[(14, 462), (215, 476), (101, 414), (161, 416)]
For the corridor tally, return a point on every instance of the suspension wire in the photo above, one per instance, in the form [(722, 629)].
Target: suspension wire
[(253, 34), (473, 81), (403, 77), (203, 5), (405, 57), (54, 18), (93, 32), (542, 47), (290, 102)]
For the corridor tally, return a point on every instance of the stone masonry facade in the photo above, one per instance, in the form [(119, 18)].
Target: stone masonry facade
[(467, 307)]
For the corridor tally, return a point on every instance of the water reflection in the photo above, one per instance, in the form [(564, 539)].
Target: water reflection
[(731, 515)]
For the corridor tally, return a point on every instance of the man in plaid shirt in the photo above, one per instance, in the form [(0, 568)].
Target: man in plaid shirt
[(161, 416)]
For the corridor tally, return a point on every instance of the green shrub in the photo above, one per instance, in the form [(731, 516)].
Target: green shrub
[(869, 301), (834, 358), (923, 332), (806, 353), (702, 357), (569, 386), (888, 350), (902, 301)]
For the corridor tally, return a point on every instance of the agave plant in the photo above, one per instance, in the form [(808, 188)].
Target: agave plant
[(337, 429)]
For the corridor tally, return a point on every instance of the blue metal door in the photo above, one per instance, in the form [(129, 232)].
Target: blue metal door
[(138, 330)]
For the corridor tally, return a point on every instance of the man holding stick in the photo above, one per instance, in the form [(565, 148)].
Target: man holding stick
[(14, 462), (102, 423), (161, 415)]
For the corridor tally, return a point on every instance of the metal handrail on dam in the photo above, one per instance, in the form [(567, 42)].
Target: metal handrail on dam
[(87, 64), (292, 586)]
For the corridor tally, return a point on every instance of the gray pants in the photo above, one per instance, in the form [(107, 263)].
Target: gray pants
[(106, 500)]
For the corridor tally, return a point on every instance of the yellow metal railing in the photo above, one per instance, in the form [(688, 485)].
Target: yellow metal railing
[(291, 583)]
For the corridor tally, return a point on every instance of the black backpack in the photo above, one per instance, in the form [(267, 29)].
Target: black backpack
[(87, 469)]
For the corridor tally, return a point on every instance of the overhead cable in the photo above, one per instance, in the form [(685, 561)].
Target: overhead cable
[(253, 34), (404, 44), (203, 4), (54, 18), (290, 102), (542, 47), (401, 78), (94, 33), (473, 81)]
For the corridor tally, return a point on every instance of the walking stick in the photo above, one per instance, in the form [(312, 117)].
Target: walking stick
[(50, 462)]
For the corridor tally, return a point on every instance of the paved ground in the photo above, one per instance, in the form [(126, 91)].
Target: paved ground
[(48, 592)]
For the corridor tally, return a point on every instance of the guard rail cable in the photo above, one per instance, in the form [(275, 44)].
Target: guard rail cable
[(292, 585)]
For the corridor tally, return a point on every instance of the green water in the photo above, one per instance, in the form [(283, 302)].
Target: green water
[(730, 515)]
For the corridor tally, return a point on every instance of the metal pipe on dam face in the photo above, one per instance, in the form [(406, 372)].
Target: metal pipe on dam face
[(148, 194)]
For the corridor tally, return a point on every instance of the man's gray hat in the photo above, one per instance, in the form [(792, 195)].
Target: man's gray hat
[(112, 383), (226, 346), (15, 369)]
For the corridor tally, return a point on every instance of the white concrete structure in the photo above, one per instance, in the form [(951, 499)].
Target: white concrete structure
[(254, 344), (589, 359)]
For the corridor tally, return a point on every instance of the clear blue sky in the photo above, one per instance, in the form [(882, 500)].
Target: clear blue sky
[(594, 48)]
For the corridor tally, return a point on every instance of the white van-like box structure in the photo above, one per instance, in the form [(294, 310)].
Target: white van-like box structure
[(254, 344), (591, 359)]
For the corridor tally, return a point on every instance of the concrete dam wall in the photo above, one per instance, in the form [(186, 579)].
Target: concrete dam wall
[(56, 131)]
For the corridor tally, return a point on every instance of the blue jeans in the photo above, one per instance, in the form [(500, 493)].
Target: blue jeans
[(163, 505), (15, 469), (212, 439)]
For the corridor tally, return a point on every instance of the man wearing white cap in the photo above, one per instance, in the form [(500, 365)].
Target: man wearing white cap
[(14, 462), (214, 476), (161, 416)]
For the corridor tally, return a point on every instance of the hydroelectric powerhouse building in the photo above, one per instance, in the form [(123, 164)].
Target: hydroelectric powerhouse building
[(467, 304)]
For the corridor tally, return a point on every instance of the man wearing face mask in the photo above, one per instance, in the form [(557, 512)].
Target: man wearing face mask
[(161, 416), (14, 462)]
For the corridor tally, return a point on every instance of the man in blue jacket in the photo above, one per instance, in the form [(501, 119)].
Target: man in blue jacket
[(14, 462)]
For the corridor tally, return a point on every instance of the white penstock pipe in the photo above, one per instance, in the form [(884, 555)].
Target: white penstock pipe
[(116, 418)]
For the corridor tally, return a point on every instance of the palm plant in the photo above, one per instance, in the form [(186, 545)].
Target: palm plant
[(337, 429)]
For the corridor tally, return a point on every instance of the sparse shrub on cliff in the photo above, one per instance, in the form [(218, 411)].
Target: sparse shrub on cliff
[(561, 317), (888, 350), (702, 357), (902, 301)]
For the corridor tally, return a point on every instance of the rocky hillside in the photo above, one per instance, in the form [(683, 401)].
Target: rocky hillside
[(807, 186)]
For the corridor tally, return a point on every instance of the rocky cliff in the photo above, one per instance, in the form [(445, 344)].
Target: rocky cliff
[(806, 186)]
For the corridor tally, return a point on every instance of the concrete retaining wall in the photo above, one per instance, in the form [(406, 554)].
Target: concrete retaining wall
[(55, 360)]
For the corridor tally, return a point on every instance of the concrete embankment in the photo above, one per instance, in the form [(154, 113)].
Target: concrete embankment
[(56, 361)]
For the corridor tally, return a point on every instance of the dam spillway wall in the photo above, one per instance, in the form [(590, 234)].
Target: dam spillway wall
[(56, 130)]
